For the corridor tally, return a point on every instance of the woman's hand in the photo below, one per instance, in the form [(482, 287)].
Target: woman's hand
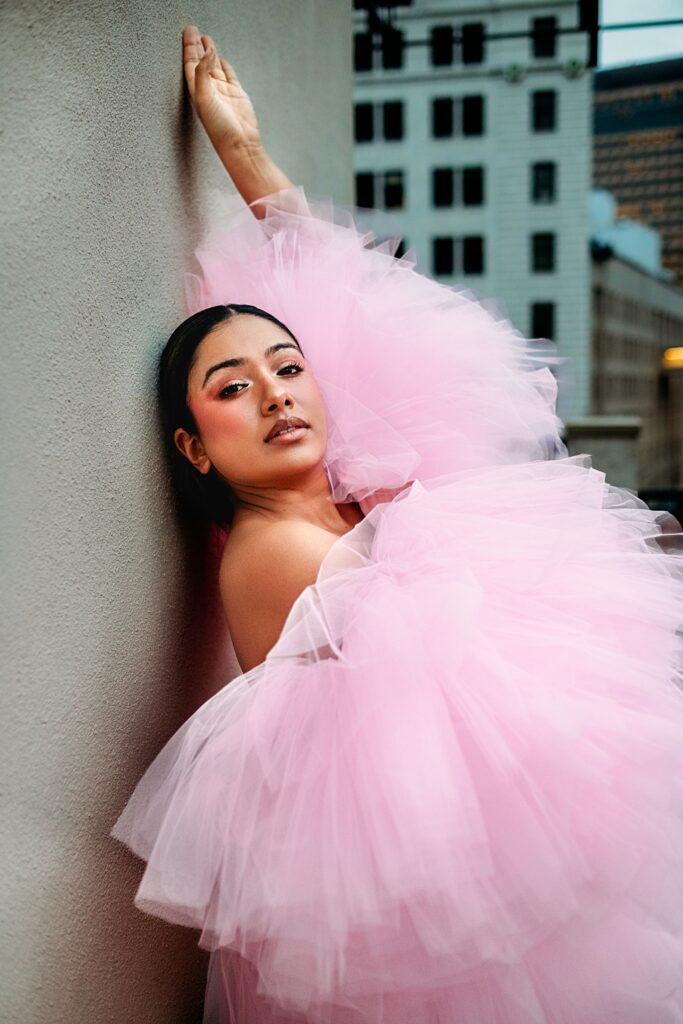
[(226, 112), (221, 103)]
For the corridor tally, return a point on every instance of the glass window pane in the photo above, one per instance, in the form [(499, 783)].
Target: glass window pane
[(442, 186), (442, 45), (442, 117), (365, 189), (472, 36), (543, 103), (473, 186), (543, 320), (473, 115), (392, 48), (363, 122), (542, 251), (393, 190), (393, 119), (543, 37), (362, 51), (442, 256), (543, 182), (473, 254)]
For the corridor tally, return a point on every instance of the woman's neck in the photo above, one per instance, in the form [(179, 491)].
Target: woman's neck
[(305, 499)]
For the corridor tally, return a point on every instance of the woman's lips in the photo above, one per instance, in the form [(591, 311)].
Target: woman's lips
[(288, 435), (284, 423)]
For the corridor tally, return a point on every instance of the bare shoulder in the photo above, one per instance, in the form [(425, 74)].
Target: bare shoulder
[(283, 551), (263, 570)]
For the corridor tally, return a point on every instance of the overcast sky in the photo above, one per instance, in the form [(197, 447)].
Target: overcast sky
[(629, 46)]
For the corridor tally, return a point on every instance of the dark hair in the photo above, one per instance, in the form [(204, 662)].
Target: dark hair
[(202, 497)]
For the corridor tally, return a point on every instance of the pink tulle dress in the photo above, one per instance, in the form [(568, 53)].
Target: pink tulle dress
[(453, 791)]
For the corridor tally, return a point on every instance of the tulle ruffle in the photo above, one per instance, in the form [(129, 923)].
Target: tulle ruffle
[(418, 379), (453, 792)]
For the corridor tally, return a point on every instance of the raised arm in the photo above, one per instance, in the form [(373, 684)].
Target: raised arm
[(228, 117)]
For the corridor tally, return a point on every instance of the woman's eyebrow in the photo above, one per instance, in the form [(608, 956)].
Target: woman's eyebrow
[(241, 360)]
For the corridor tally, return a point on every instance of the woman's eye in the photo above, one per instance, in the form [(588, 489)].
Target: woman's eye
[(290, 370), (229, 390)]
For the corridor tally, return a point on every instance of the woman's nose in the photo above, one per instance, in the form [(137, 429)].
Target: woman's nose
[(278, 399)]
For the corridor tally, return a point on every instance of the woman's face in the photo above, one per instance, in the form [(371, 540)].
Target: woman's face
[(247, 375)]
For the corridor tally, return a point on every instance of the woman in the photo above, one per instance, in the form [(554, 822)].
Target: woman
[(448, 785)]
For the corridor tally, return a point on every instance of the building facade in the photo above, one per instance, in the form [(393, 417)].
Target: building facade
[(635, 431), (473, 133), (638, 148)]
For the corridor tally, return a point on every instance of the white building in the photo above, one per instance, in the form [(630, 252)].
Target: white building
[(480, 149)]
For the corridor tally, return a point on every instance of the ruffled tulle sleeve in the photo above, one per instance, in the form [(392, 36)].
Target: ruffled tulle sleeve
[(418, 379)]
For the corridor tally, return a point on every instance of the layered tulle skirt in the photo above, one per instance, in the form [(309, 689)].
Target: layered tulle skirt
[(453, 792)]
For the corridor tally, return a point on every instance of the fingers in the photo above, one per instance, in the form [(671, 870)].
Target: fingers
[(193, 52), (229, 71), (200, 58)]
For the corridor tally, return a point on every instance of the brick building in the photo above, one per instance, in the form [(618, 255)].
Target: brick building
[(638, 148)]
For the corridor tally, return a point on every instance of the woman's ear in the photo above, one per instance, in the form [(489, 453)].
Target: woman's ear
[(192, 448)]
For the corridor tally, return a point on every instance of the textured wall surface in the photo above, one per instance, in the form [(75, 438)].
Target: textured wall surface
[(112, 633)]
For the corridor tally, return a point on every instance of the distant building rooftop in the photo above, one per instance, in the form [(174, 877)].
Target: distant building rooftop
[(639, 73)]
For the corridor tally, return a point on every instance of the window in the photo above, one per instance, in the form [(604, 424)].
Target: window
[(392, 49), (366, 120), (443, 261), (472, 36), (362, 51), (543, 37), (392, 119), (473, 186), (463, 115), (543, 110), (442, 186), (543, 182), (442, 117), (393, 190), (543, 251), (543, 320), (442, 45), (363, 122), (473, 254), (460, 186), (472, 115), (458, 255), (365, 189)]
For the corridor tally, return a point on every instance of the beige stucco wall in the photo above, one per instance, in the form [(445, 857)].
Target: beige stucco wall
[(111, 634)]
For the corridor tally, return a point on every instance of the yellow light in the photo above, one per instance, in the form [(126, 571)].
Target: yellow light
[(672, 358)]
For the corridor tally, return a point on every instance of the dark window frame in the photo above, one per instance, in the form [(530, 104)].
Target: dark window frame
[(442, 46), (397, 131), (363, 51), (393, 49), (443, 256), (544, 110), (473, 44), (473, 110), (543, 252), (443, 187), (543, 38), (399, 185), (542, 320), (443, 108), (361, 120), (365, 180), (543, 186), (473, 252), (474, 183)]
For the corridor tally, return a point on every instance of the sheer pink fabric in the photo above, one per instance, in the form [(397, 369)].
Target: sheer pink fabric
[(453, 792)]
